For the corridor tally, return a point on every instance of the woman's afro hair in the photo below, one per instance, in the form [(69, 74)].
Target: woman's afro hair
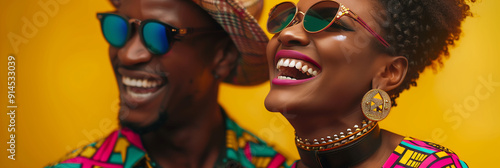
[(422, 31)]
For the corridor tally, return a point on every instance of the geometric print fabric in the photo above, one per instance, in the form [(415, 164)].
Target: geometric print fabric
[(412, 153), (123, 148)]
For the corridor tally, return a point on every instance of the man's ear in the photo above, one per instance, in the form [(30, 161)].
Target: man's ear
[(115, 3), (225, 58), (391, 74)]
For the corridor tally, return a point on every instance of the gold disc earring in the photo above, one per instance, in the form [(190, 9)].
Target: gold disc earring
[(376, 104)]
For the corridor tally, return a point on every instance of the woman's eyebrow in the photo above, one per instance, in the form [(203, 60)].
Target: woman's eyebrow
[(342, 22)]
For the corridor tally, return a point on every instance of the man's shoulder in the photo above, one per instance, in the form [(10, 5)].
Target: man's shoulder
[(250, 150), (120, 148)]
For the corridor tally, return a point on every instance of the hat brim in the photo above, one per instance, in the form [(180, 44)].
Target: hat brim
[(249, 38)]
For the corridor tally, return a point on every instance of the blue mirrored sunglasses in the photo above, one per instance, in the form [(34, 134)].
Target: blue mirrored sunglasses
[(156, 36)]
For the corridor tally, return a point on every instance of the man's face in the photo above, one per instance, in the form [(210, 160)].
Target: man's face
[(153, 84)]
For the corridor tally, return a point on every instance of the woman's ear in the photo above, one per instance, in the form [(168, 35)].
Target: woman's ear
[(225, 58), (391, 74)]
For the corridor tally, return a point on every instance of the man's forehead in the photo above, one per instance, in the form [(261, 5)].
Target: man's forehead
[(180, 13)]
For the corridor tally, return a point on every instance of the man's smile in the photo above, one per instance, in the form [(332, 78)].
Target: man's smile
[(140, 86)]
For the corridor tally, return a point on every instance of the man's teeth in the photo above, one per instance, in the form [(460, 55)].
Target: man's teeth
[(139, 95), (299, 65), (144, 83)]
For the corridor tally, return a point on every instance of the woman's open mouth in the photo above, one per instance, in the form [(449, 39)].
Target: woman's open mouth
[(294, 68)]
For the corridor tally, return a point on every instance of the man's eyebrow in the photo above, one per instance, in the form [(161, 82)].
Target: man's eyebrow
[(159, 4)]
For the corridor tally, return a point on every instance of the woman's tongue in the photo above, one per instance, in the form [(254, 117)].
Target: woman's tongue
[(292, 72)]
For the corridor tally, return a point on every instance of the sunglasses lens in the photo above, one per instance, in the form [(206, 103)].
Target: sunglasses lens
[(280, 17), (320, 15), (155, 37), (115, 30)]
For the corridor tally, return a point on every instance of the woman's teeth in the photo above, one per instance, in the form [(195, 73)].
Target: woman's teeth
[(299, 65), (286, 77), (141, 83)]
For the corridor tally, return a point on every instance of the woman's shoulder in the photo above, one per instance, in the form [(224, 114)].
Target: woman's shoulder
[(412, 152)]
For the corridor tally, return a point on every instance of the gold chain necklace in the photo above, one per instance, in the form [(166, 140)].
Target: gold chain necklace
[(337, 140)]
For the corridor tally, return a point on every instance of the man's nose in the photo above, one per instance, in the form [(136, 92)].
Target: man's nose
[(134, 52)]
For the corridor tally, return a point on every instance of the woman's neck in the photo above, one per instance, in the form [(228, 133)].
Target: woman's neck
[(357, 147), (345, 154), (310, 125)]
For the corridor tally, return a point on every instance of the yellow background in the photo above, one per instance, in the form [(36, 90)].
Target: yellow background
[(67, 96)]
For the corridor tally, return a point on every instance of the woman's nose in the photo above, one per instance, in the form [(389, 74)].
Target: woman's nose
[(294, 35)]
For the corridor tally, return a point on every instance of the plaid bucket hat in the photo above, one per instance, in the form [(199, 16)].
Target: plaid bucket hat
[(237, 18)]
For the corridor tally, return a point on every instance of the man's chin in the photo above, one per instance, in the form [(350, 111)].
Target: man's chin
[(142, 128)]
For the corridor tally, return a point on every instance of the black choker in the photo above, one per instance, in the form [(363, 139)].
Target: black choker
[(345, 155)]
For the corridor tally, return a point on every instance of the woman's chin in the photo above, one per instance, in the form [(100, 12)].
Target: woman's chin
[(272, 103), (276, 102)]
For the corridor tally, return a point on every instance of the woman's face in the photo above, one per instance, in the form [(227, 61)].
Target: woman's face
[(343, 57)]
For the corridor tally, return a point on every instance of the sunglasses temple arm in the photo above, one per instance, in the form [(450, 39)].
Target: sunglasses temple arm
[(184, 31), (362, 23)]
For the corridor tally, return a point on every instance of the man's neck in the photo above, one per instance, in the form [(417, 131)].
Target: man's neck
[(195, 143)]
